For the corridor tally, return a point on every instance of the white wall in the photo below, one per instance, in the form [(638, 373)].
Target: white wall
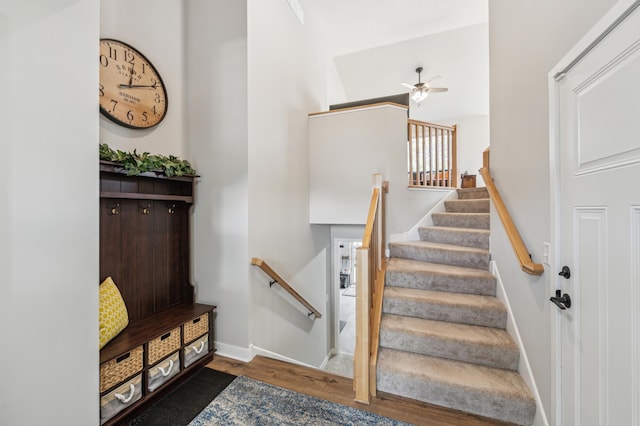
[(473, 139), (286, 81), (156, 30), (216, 92), (346, 148), (49, 217), (526, 40)]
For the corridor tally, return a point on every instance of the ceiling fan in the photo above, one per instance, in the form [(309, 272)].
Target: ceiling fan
[(420, 91)]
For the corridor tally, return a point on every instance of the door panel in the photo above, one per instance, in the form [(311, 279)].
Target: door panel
[(599, 138)]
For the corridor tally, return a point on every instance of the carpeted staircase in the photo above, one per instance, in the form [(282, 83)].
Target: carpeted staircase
[(442, 334)]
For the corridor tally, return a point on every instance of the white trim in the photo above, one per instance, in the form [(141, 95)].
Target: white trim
[(326, 359), (233, 352), (255, 350), (635, 312), (426, 220), (524, 368), (357, 109)]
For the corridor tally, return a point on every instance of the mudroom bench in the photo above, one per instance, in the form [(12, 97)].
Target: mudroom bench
[(144, 248)]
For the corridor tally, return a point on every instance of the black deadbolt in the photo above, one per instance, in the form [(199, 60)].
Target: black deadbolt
[(566, 272)]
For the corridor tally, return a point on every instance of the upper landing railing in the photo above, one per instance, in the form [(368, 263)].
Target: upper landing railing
[(431, 155)]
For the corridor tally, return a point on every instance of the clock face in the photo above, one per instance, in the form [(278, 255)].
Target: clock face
[(131, 91)]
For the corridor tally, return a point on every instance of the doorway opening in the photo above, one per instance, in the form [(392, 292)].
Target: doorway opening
[(344, 303)]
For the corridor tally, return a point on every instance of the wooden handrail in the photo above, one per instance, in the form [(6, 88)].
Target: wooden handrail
[(369, 288), (282, 283), (520, 249), (424, 123)]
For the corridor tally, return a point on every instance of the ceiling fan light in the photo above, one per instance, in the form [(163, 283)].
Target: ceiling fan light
[(419, 95)]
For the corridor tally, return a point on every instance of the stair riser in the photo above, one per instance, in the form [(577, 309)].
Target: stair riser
[(477, 221), (480, 403), (473, 194), (443, 256), (436, 282), (467, 206), (442, 312), (461, 238), (489, 356)]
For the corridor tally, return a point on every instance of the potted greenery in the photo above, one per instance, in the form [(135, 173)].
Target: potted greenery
[(137, 164)]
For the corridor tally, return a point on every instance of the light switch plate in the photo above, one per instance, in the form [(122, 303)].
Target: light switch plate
[(546, 254)]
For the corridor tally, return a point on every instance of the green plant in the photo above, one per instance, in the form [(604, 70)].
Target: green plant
[(136, 164)]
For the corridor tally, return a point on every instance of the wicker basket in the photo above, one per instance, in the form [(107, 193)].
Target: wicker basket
[(117, 369), (163, 346), (196, 328)]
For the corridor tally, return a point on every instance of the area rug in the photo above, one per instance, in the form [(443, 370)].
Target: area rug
[(248, 402), (185, 402)]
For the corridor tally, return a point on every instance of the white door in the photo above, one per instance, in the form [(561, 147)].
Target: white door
[(599, 201)]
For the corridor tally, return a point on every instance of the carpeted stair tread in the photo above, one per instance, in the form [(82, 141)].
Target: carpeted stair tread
[(491, 392), (462, 220), (472, 193), (468, 237), (447, 254), (488, 346), (472, 309), (410, 273), (478, 205)]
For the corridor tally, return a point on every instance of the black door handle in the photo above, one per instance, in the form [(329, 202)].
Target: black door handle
[(563, 302), (566, 272)]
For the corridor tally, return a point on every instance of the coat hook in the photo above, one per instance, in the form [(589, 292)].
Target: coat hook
[(115, 209), (146, 209), (172, 209)]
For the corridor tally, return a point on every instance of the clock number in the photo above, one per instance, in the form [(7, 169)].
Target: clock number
[(130, 115), (157, 99), (101, 90), (143, 65), (113, 53), (144, 116), (104, 61), (114, 105), (154, 110), (129, 57)]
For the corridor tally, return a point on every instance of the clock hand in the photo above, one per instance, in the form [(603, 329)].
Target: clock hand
[(138, 86), (130, 76)]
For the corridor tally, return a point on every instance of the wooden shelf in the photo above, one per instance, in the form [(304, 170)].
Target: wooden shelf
[(143, 196), (151, 327)]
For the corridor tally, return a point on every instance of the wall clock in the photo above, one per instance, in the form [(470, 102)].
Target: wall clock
[(131, 91)]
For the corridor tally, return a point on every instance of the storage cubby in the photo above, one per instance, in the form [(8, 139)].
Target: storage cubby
[(144, 247)]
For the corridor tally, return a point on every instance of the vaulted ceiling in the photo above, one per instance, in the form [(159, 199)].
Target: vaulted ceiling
[(376, 45)]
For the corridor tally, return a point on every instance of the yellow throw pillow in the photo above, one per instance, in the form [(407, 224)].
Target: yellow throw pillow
[(113, 312)]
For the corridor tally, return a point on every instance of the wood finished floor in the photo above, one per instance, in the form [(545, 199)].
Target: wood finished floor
[(330, 387)]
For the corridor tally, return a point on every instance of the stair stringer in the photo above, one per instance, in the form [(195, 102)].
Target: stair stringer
[(412, 234), (524, 367)]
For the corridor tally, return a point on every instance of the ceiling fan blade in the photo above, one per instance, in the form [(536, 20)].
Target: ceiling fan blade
[(408, 86), (437, 89), (435, 77)]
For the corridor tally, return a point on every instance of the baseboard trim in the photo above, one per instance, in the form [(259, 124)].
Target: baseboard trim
[(255, 350), (413, 234), (233, 352), (524, 368)]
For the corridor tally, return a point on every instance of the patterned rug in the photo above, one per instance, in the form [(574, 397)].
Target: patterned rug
[(249, 402)]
